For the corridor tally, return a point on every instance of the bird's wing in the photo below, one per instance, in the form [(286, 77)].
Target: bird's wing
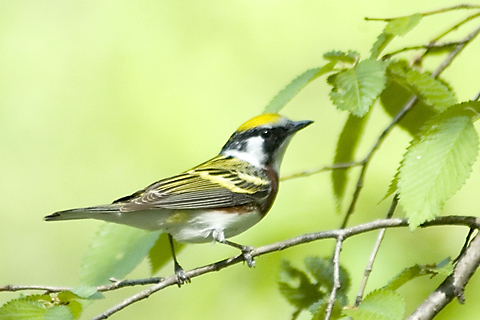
[(218, 183)]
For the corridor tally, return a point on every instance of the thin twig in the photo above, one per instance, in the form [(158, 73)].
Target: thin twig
[(373, 255), (336, 278), (336, 166), (428, 13)]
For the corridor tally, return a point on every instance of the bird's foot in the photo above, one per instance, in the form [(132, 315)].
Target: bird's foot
[(182, 277), (246, 252)]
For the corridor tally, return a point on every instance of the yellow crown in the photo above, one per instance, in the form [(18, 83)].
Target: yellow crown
[(263, 119)]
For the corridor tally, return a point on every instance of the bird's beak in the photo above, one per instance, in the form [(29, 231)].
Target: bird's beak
[(299, 125)]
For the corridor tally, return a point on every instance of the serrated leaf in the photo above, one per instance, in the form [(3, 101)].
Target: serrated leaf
[(379, 305), (346, 146), (444, 267), (114, 252), (160, 253), (401, 26), (58, 313), (23, 308), (395, 97), (432, 92), (356, 89), (299, 289), (290, 91), (296, 287), (394, 28), (382, 41), (436, 165), (339, 56), (322, 270)]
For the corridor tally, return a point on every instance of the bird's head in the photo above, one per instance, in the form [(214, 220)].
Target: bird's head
[(262, 140)]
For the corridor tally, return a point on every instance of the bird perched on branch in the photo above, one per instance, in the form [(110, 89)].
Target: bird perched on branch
[(213, 201)]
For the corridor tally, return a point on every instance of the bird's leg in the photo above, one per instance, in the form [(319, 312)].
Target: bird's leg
[(246, 250), (179, 272)]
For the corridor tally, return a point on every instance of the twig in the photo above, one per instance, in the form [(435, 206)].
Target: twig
[(335, 166), (373, 255), (336, 278), (428, 13), (471, 222)]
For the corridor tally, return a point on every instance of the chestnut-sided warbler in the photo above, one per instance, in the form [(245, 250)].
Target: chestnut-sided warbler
[(215, 200)]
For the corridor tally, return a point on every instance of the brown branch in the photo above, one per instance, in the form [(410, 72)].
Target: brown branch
[(471, 222), (453, 286)]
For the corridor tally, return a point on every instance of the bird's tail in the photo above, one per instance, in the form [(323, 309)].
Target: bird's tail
[(82, 213)]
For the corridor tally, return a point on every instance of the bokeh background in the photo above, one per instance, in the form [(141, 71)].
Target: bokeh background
[(100, 98)]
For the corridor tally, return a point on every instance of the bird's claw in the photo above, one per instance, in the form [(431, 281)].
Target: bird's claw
[(246, 253), (182, 277)]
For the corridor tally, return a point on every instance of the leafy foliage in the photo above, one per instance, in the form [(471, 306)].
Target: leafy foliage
[(62, 306), (115, 251), (357, 88), (396, 27), (444, 268), (311, 290), (382, 304), (432, 92), (437, 163), (345, 152), (290, 91)]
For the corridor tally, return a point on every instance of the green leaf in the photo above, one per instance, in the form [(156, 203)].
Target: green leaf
[(296, 287), (87, 292), (299, 289), (394, 28), (395, 97), (160, 253), (382, 41), (350, 57), (444, 267), (114, 252), (290, 91), (401, 26), (432, 92), (357, 88), (28, 308), (318, 308), (345, 152), (437, 164), (322, 270), (58, 313), (379, 305)]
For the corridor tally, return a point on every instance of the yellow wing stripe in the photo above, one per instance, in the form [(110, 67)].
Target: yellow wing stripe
[(225, 183)]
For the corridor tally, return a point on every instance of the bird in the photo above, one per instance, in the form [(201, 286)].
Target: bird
[(213, 201)]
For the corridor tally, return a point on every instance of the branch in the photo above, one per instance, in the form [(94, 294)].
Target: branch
[(471, 222), (453, 286)]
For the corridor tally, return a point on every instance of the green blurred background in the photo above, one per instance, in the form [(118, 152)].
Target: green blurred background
[(100, 98)]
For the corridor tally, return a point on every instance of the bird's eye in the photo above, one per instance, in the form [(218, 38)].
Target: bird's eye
[(266, 134)]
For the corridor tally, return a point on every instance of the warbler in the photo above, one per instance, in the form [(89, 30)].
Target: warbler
[(213, 201)]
